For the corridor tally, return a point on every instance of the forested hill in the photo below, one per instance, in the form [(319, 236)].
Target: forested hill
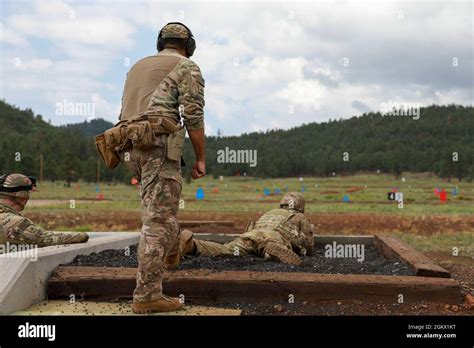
[(372, 142), (90, 128), (25, 136), (368, 143)]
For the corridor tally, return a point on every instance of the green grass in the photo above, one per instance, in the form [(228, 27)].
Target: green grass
[(244, 194), (441, 242), (79, 228)]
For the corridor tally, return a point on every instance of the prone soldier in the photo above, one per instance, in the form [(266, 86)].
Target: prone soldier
[(17, 229), (280, 234)]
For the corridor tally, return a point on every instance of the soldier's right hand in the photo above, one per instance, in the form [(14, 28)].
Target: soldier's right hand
[(199, 169)]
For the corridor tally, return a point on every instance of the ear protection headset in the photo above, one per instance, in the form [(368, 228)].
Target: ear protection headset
[(18, 188), (190, 42)]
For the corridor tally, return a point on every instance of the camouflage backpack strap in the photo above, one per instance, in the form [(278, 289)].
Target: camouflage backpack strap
[(250, 226), (290, 216)]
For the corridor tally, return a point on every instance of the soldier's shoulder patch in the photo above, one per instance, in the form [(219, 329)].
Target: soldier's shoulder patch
[(12, 222), (24, 224)]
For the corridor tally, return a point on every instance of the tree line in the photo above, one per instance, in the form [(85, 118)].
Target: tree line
[(440, 141)]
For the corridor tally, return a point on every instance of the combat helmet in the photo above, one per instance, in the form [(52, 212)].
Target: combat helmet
[(16, 185), (293, 200)]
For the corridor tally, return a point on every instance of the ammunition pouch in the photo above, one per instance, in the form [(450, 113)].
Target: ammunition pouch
[(108, 154), (114, 137), (140, 133)]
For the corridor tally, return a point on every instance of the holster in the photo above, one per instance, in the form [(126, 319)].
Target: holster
[(175, 144), (175, 141)]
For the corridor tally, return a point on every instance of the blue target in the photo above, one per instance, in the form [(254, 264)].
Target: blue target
[(200, 194)]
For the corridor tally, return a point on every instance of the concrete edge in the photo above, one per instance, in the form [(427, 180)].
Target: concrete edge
[(24, 280)]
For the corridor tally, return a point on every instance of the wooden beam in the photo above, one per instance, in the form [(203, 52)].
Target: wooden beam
[(206, 286), (392, 248), (344, 239), (318, 239), (188, 224)]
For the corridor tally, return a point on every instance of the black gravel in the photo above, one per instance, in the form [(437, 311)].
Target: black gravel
[(373, 263)]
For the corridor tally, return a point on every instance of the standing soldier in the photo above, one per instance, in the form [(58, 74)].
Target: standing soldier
[(280, 234), (160, 92), (16, 229)]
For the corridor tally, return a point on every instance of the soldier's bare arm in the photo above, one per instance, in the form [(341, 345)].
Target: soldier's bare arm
[(197, 139)]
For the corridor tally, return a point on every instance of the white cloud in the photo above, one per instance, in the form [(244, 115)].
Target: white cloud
[(63, 23), (32, 65), (303, 94), (288, 55), (10, 36)]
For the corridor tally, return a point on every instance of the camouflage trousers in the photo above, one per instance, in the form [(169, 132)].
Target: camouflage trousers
[(250, 243), (161, 183)]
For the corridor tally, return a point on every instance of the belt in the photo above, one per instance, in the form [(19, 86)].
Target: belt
[(159, 124), (163, 125)]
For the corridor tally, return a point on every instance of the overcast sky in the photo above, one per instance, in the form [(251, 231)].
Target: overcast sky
[(266, 64)]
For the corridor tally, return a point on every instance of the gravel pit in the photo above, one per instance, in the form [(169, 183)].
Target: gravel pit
[(373, 263)]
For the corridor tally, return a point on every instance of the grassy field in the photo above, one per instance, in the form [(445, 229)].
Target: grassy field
[(424, 222), (366, 193)]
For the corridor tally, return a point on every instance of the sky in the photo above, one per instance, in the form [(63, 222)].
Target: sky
[(267, 65)]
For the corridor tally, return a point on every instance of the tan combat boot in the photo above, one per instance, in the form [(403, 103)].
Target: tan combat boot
[(186, 246), (164, 304), (281, 254)]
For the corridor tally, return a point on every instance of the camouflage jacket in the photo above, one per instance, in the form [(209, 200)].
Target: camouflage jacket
[(17, 229), (166, 84), (292, 225), (13, 225)]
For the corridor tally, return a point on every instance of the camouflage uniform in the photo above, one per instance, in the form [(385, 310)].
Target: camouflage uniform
[(16, 229), (286, 226), (168, 85), (282, 226)]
